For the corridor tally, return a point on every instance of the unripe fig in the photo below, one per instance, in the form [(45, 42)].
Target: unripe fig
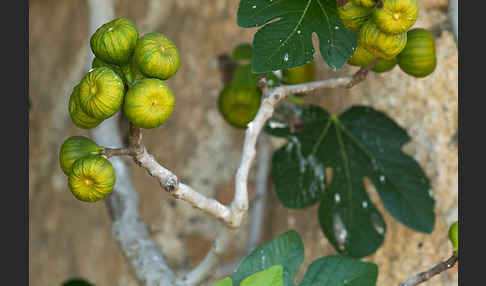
[(238, 105), (380, 44), (300, 74), (156, 56), (384, 65), (361, 57), (78, 116), (354, 16), (454, 236), (418, 59), (101, 93), (396, 16), (115, 41), (91, 179), (99, 63), (242, 52), (148, 103), (74, 148), (365, 3)]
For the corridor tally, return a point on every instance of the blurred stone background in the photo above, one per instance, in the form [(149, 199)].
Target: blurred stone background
[(69, 238)]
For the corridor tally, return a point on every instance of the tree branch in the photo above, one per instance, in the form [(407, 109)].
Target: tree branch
[(437, 269), (362, 73), (110, 152)]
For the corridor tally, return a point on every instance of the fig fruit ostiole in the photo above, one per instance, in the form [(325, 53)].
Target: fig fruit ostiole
[(91, 179)]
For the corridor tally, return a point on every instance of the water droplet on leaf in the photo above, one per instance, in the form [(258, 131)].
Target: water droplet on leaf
[(340, 232), (378, 223), (337, 197), (286, 57), (382, 178)]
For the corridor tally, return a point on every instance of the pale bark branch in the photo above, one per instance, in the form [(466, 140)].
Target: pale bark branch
[(362, 73), (257, 208), (437, 269), (110, 152)]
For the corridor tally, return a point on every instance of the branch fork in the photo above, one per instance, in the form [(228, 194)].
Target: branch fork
[(231, 215)]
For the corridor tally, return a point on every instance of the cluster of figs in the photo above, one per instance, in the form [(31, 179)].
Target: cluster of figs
[(384, 33), (127, 74)]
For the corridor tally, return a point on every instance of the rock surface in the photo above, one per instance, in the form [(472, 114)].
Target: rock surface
[(69, 238)]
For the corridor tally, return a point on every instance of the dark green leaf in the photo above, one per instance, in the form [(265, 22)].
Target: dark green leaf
[(242, 52), (224, 282), (340, 271), (360, 143), (299, 177), (285, 40), (400, 181), (286, 250), (269, 277)]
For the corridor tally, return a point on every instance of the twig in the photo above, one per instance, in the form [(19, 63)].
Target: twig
[(437, 269), (361, 74), (278, 93), (110, 152)]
